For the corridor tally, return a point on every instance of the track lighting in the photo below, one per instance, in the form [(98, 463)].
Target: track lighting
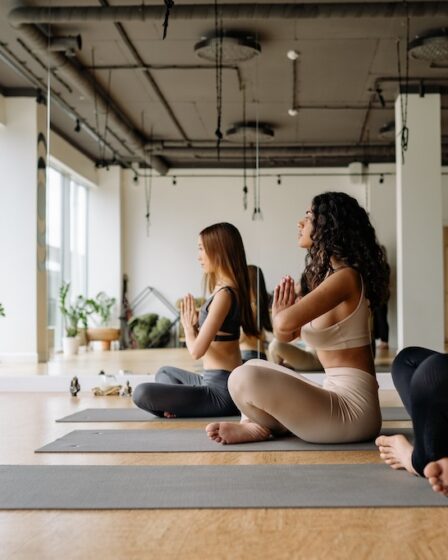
[(292, 55), (78, 126), (381, 179), (279, 180), (135, 179), (174, 181)]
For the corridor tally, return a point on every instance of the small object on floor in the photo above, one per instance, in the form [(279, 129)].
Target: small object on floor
[(75, 387), (126, 391), (107, 391)]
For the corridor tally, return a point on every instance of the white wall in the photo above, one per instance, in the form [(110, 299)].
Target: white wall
[(18, 229), (69, 159), (167, 258), (104, 268)]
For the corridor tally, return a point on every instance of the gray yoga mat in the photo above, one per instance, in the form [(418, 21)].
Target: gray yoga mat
[(231, 486), (184, 441), (390, 413), (132, 415), (394, 413)]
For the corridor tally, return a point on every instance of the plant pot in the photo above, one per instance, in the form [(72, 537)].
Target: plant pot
[(70, 345), (104, 334)]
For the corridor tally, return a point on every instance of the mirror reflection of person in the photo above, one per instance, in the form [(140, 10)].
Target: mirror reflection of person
[(346, 275), (212, 335), (253, 347)]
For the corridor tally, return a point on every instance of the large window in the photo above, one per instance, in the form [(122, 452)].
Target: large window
[(66, 242)]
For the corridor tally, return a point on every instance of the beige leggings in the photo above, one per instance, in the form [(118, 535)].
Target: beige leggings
[(345, 409), (299, 359)]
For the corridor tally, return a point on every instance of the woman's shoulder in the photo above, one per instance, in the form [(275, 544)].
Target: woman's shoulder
[(346, 277)]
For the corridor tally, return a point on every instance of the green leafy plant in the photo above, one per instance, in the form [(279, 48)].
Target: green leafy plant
[(101, 306), (2, 311), (150, 330), (73, 313)]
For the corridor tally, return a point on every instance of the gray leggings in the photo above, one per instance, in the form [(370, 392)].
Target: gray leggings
[(186, 394)]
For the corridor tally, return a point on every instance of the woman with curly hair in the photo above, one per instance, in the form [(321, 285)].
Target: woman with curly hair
[(346, 276), (213, 334)]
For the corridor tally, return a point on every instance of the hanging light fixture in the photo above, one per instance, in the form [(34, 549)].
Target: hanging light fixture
[(431, 46), (251, 131), (237, 46)]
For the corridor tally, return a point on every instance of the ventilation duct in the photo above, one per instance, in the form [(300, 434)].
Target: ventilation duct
[(142, 12)]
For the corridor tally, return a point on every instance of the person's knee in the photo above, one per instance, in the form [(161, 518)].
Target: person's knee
[(162, 374), (138, 395), (430, 381), (244, 380), (404, 358)]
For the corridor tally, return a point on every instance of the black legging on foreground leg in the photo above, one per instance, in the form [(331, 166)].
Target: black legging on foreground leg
[(421, 379), (187, 394)]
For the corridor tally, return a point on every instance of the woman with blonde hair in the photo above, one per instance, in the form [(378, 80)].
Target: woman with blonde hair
[(212, 335)]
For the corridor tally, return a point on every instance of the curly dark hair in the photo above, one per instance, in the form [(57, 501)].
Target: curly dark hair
[(342, 229)]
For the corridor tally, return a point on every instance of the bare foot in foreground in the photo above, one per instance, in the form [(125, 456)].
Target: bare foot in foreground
[(169, 415), (233, 432), (437, 475), (396, 451)]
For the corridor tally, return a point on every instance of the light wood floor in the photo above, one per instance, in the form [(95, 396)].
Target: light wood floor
[(28, 421)]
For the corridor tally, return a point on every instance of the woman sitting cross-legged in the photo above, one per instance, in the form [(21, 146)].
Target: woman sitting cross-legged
[(345, 275), (214, 335)]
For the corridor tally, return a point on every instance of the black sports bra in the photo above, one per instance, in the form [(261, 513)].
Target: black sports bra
[(232, 321)]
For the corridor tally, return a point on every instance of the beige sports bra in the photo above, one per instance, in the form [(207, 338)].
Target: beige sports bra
[(351, 332)]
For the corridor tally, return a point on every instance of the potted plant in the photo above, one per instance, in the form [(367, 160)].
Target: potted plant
[(2, 310), (72, 316), (101, 307)]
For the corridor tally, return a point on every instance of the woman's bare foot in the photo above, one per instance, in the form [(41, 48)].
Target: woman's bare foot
[(437, 475), (396, 451), (233, 432), (169, 415)]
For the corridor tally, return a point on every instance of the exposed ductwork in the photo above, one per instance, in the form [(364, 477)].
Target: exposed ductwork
[(118, 121), (377, 150), (141, 12)]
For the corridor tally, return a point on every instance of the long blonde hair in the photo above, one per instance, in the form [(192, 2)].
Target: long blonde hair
[(224, 247)]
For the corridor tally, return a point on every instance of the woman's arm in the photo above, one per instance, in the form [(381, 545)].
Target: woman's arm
[(334, 290), (198, 342)]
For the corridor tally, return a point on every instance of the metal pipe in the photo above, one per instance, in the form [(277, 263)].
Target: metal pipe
[(140, 12), (267, 151), (84, 82)]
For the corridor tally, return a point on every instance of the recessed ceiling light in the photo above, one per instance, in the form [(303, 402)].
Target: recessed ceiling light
[(236, 47), (250, 131), (431, 46)]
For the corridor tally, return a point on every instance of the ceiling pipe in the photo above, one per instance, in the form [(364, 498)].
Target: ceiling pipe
[(59, 14), (267, 151), (85, 83)]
